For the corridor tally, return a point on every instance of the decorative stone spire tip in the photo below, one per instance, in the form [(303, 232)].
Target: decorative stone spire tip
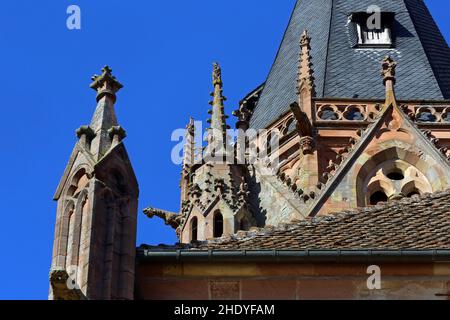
[(105, 84), (388, 69)]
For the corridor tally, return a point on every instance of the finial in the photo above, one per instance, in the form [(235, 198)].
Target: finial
[(85, 135), (243, 115), (106, 84), (117, 133), (85, 130), (305, 39), (191, 126), (388, 73), (217, 74), (388, 69)]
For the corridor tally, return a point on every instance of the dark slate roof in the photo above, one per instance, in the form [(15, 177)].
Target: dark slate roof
[(341, 71), (412, 223)]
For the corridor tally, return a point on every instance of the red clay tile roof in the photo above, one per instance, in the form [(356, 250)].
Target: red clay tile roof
[(411, 223)]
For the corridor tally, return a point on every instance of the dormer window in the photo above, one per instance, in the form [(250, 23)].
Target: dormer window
[(374, 32), (374, 37)]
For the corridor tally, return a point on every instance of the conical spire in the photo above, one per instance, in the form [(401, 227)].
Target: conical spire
[(104, 123), (217, 136)]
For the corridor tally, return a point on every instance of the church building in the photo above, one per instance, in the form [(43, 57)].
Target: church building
[(336, 184)]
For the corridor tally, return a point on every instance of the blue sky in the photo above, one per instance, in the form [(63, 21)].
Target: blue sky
[(162, 52)]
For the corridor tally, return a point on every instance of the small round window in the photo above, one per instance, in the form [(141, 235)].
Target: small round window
[(396, 175)]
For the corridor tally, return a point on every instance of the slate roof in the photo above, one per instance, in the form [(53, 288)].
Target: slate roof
[(412, 223), (341, 71)]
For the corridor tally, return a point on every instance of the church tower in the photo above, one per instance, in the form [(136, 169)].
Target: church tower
[(95, 233), (347, 138), (339, 159)]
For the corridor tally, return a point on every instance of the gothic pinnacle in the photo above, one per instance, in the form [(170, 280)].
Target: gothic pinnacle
[(189, 147), (106, 84), (388, 69), (388, 72), (305, 71), (218, 127), (104, 122)]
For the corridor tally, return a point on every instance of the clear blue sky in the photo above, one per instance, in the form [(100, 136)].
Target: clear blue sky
[(162, 52)]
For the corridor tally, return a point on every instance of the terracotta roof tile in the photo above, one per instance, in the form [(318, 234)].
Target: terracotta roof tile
[(415, 223)]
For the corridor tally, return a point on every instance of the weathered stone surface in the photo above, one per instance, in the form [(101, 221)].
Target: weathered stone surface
[(97, 207)]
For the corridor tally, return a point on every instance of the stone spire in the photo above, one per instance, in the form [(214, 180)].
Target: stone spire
[(306, 91), (217, 137), (388, 72), (97, 208), (188, 160), (104, 123), (305, 72)]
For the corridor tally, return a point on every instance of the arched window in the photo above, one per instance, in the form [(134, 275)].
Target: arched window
[(425, 115), (218, 225), (354, 114), (78, 183), (391, 175), (414, 188), (377, 197), (194, 229), (70, 217)]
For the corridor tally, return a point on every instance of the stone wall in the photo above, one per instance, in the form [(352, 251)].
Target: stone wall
[(289, 281)]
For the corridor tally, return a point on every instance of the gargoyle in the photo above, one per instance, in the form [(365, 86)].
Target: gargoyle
[(170, 218)]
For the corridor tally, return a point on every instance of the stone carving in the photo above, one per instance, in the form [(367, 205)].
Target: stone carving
[(307, 145), (171, 219), (388, 69), (58, 280), (243, 114), (106, 83), (217, 74), (243, 193), (117, 132), (344, 112)]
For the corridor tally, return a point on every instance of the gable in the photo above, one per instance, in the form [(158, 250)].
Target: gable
[(392, 143), (79, 158), (117, 158)]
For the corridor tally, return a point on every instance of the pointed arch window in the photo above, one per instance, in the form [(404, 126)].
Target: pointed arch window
[(378, 197), (218, 224), (194, 229)]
